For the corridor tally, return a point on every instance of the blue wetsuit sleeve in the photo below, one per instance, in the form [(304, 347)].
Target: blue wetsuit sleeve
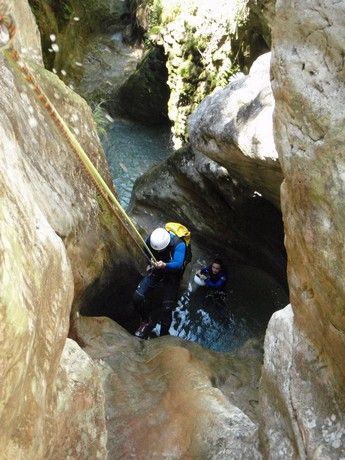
[(176, 263), (216, 284)]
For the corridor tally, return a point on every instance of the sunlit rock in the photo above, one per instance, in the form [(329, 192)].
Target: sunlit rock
[(234, 127), (302, 414), (4, 36), (308, 74), (27, 39), (51, 170), (169, 398), (36, 296), (54, 238)]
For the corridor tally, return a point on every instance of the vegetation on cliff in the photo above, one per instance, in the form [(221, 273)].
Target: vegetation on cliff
[(204, 44)]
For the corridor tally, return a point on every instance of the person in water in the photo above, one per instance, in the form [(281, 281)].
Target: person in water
[(212, 276), (170, 252)]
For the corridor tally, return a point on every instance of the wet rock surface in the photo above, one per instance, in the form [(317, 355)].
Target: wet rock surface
[(84, 42), (168, 397), (144, 96)]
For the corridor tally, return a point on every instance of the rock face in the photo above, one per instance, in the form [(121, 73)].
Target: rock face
[(234, 127), (91, 55), (106, 66), (145, 95), (302, 413), (52, 174), (166, 398), (75, 420), (205, 43), (28, 37), (307, 64), (54, 236)]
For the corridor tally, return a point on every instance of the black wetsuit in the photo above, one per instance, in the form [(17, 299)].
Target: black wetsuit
[(167, 279)]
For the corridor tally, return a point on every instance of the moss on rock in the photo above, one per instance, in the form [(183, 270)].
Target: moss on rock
[(73, 22), (204, 44)]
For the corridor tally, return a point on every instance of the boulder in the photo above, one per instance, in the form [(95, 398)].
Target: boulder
[(168, 398), (234, 127)]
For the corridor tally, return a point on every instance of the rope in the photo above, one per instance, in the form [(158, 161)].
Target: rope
[(13, 57)]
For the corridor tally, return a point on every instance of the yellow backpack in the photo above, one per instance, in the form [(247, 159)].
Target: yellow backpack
[(182, 232)]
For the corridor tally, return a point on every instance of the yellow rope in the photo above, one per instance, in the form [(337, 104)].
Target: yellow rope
[(14, 59)]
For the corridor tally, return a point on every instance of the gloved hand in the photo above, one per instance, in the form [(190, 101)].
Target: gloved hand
[(160, 264)]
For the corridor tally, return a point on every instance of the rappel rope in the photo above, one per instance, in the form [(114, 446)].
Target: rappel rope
[(7, 32)]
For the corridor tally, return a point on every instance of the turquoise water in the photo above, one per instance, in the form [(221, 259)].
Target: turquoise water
[(224, 321), (131, 149)]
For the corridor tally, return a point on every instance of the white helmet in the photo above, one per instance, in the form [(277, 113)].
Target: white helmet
[(159, 239)]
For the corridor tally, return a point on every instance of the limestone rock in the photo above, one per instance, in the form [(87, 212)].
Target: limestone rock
[(304, 375), (144, 96), (36, 296), (75, 423), (106, 66), (163, 397), (309, 120), (302, 413), (91, 55), (54, 238), (234, 127), (49, 168), (27, 39)]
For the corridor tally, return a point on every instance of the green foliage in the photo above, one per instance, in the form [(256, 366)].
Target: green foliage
[(67, 11), (155, 15), (99, 115)]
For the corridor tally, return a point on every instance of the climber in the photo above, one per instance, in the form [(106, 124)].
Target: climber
[(212, 276), (170, 252)]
